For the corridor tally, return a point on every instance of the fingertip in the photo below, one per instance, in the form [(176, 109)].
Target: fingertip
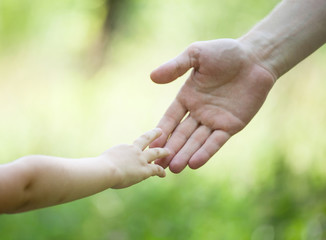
[(158, 131), (165, 73), (161, 162), (159, 171), (194, 165), (215, 141), (175, 170), (198, 160), (164, 156), (166, 152), (175, 167), (165, 161), (163, 173), (153, 154), (158, 75), (154, 76), (158, 142)]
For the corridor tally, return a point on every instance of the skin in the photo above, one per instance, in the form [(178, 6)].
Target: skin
[(222, 70), (34, 182), (231, 79)]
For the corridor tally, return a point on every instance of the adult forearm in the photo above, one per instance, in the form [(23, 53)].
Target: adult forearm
[(291, 32)]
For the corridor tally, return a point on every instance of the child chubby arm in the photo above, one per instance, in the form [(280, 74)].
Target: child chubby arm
[(34, 182)]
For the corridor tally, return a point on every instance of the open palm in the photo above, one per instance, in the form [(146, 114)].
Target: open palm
[(223, 93)]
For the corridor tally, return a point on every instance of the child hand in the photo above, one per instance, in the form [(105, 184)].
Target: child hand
[(132, 163)]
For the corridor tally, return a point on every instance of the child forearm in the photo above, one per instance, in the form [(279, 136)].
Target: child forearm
[(291, 32), (40, 181)]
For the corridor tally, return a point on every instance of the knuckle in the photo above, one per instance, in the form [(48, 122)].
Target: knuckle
[(194, 46), (194, 51)]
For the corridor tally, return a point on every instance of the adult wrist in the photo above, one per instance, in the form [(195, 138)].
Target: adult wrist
[(290, 33), (264, 52)]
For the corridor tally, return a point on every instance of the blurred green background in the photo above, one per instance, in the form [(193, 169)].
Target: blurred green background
[(74, 81)]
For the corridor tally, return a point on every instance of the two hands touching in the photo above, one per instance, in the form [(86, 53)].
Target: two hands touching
[(133, 163), (225, 89), (229, 82), (231, 79)]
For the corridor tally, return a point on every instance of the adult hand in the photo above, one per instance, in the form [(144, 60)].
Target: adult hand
[(225, 90)]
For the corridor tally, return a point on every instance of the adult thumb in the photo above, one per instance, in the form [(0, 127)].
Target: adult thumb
[(176, 67)]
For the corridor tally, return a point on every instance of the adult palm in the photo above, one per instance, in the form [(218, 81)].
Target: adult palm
[(225, 90)]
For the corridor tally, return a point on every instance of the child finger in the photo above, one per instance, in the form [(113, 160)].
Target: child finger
[(144, 140), (157, 170), (152, 154)]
